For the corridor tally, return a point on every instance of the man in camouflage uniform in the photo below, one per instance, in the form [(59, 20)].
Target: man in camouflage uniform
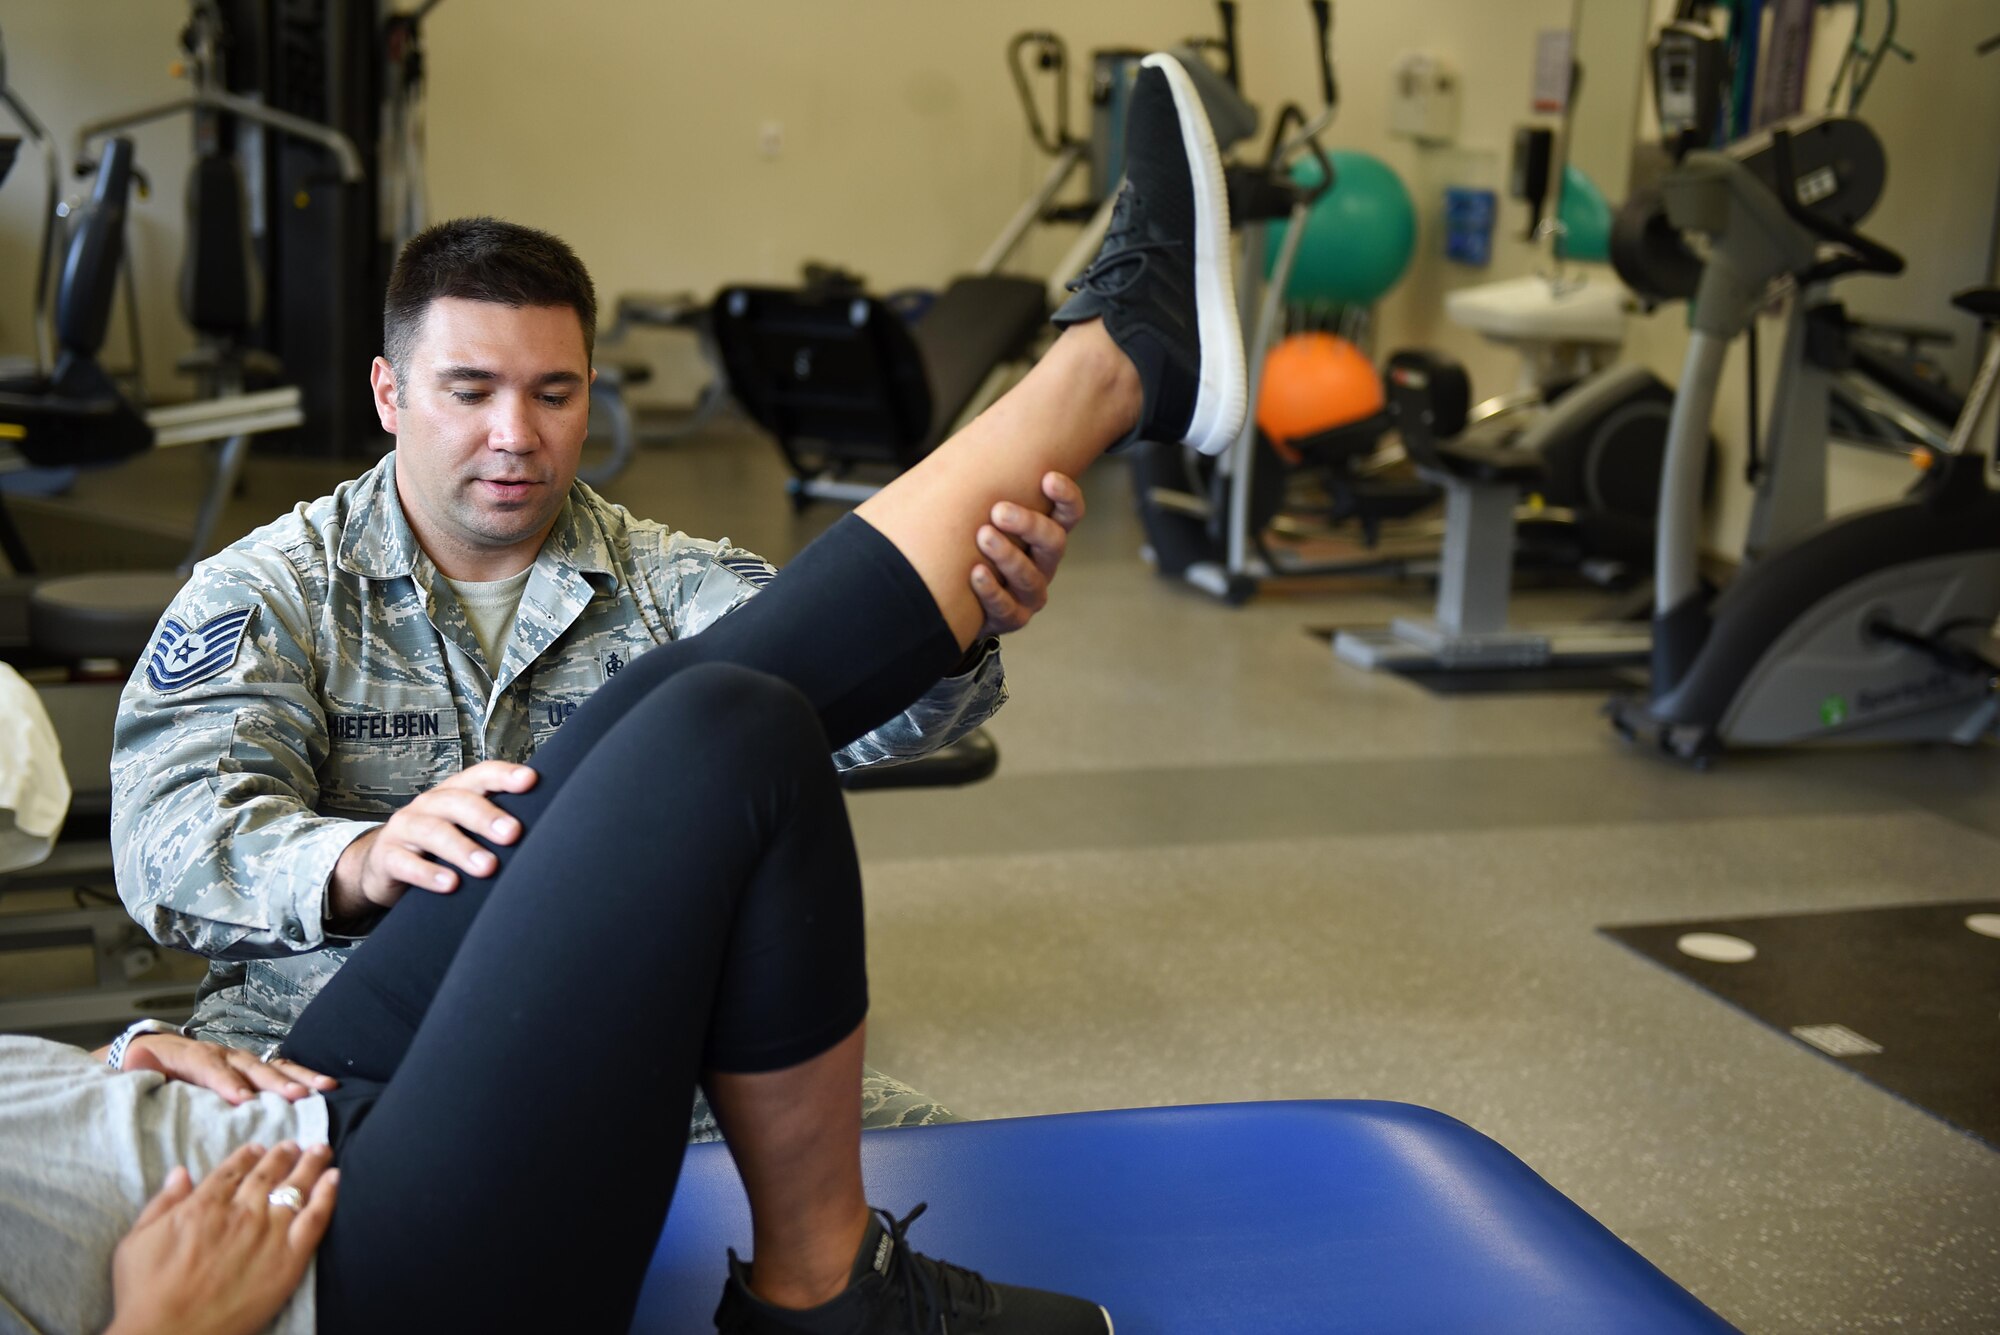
[(327, 704)]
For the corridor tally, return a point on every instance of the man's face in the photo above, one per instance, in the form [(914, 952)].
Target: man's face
[(489, 424)]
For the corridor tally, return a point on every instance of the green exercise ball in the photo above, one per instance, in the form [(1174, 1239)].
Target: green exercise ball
[(1586, 218), (1359, 237)]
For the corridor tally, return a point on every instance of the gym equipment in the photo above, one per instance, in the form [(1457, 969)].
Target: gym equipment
[(843, 383), (319, 204), (1301, 1218), (1868, 627), (971, 759), (81, 631), (1580, 438), (1530, 169), (682, 312), (1596, 470), (405, 195), (66, 412), (76, 416), (1103, 153), (121, 985), (1598, 428), (1877, 394), (1885, 393), (1859, 62), (1583, 219), (45, 145), (1314, 383), (1482, 483), (848, 387), (1878, 397), (221, 283), (1357, 238), (1565, 327), (1587, 452)]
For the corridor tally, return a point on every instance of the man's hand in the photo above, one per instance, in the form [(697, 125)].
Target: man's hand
[(375, 870), (237, 1075), (220, 1259), (1022, 548)]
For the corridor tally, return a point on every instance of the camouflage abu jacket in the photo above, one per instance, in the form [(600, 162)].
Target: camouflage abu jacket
[(317, 675)]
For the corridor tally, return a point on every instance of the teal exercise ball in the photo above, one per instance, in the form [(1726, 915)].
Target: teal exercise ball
[(1586, 219), (1358, 238)]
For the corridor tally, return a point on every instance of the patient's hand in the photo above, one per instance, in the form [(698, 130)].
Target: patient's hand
[(231, 1072), (219, 1258), (1022, 548)]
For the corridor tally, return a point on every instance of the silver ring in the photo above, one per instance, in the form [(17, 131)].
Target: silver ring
[(269, 1054), (288, 1198)]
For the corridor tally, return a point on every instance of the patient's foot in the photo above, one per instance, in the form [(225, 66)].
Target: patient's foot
[(1162, 283), (895, 1291)]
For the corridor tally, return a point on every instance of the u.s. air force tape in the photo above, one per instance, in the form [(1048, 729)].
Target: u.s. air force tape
[(182, 656)]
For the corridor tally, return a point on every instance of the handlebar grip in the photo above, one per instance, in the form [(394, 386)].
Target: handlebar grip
[(1323, 21)]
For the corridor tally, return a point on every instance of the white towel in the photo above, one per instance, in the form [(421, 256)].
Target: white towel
[(34, 790)]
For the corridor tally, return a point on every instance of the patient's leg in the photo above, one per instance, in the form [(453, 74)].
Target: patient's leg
[(515, 1169)]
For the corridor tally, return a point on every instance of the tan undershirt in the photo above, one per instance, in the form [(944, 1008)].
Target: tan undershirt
[(489, 609)]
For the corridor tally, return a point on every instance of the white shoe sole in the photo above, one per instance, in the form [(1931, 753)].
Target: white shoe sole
[(1223, 394)]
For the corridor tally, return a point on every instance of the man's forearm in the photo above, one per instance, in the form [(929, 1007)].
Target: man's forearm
[(210, 887)]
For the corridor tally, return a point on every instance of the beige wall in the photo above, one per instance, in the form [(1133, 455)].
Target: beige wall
[(1492, 45), (636, 129), (1611, 38)]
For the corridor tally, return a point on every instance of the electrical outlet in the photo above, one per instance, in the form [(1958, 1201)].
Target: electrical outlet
[(771, 140)]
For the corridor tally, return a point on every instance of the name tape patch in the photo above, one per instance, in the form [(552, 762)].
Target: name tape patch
[(384, 727), (182, 656)]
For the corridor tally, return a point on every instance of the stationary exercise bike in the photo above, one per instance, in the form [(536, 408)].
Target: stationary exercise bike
[(1869, 627)]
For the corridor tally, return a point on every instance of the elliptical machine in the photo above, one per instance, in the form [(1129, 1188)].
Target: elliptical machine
[(1868, 627)]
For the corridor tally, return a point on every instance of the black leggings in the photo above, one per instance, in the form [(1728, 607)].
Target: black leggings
[(518, 1058)]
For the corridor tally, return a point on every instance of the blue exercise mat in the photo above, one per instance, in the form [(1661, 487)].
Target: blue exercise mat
[(1306, 1217)]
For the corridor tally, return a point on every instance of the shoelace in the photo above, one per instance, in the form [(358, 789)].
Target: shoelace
[(916, 1278), (1124, 223)]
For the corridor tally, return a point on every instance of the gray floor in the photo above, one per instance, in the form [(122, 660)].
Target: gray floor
[(1215, 866)]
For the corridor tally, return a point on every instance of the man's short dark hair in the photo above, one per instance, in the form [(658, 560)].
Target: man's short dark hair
[(481, 259)]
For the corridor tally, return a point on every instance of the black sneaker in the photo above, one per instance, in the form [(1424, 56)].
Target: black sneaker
[(1162, 282), (895, 1291)]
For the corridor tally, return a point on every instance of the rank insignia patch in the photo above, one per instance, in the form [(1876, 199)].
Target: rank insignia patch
[(180, 657), (749, 569)]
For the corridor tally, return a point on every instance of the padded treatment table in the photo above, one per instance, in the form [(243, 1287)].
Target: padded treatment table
[(1301, 1218)]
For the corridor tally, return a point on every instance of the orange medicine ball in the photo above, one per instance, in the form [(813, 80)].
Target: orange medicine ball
[(1314, 383)]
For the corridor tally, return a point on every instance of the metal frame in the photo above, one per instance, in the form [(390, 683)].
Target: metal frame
[(119, 946), (1468, 630), (233, 420)]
